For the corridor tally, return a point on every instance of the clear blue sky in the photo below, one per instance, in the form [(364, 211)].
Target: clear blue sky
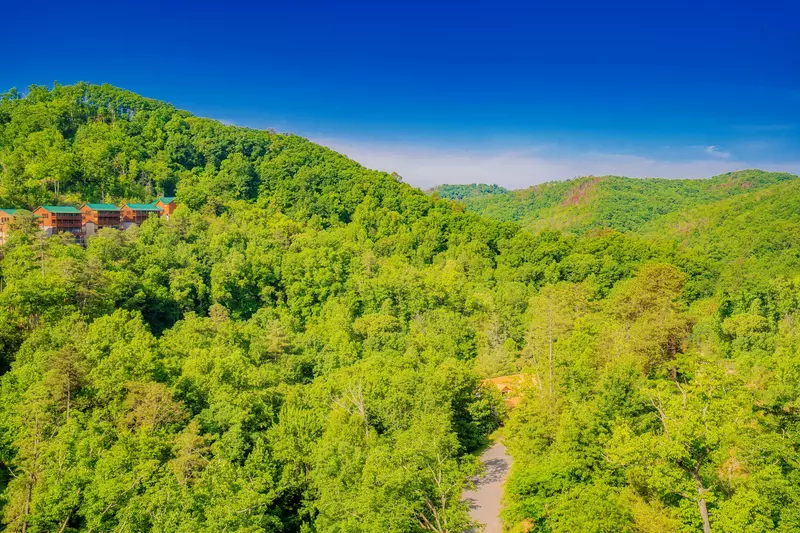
[(514, 93)]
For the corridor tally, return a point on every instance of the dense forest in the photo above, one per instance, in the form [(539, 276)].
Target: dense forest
[(300, 346)]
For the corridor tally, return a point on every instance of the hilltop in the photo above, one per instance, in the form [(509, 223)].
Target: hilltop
[(98, 143)]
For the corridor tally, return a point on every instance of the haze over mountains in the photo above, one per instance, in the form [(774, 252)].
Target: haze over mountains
[(517, 163)]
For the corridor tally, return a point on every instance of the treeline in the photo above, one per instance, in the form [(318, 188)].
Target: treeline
[(300, 348), (459, 192)]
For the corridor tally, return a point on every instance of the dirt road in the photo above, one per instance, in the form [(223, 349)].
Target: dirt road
[(485, 500)]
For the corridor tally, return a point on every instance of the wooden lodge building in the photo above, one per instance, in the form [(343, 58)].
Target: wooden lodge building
[(59, 219), (89, 219), (167, 204), (99, 216), (7, 217), (138, 213)]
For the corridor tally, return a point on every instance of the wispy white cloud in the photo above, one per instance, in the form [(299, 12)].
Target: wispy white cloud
[(713, 150), (425, 167)]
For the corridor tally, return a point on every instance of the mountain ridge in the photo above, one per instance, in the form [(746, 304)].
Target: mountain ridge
[(621, 203)]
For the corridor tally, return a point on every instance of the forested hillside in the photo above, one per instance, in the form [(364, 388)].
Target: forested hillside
[(300, 347), (753, 235), (623, 204)]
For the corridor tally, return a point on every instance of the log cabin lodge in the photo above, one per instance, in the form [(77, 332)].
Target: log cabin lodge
[(89, 219)]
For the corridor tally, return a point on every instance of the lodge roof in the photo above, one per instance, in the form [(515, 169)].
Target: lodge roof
[(60, 209), (68, 209), (102, 207), (143, 207), (12, 211)]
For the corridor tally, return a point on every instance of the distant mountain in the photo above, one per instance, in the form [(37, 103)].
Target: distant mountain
[(749, 235), (459, 192), (624, 204)]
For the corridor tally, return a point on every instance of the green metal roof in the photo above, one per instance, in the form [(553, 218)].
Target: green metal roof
[(61, 209), (12, 211), (166, 199), (102, 207), (144, 207)]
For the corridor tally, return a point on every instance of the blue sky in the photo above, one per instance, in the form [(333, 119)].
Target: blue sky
[(509, 93)]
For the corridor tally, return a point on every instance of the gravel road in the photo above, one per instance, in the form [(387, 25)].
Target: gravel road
[(485, 500)]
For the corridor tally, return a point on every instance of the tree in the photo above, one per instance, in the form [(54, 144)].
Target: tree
[(698, 419), (555, 310)]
